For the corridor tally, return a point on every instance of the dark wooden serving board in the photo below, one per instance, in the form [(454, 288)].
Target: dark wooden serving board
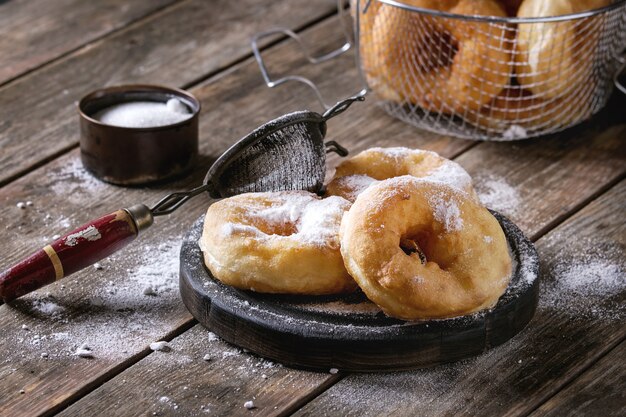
[(350, 332)]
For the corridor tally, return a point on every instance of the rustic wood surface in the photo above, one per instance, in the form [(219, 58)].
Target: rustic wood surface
[(564, 191), (599, 388), (33, 33)]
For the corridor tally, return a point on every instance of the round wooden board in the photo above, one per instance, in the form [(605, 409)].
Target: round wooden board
[(350, 332)]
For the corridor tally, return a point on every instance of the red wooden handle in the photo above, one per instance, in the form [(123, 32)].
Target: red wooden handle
[(73, 252)]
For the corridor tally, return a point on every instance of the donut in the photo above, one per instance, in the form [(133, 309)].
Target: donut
[(277, 242), (441, 64), (354, 175), (424, 250), (555, 59)]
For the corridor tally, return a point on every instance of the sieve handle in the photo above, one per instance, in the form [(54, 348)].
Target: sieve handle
[(76, 250), (342, 106)]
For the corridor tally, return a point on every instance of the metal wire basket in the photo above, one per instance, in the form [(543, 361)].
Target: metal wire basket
[(467, 73)]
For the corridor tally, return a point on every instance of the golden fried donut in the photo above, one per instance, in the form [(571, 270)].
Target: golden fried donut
[(518, 107), (555, 59), (422, 250), (277, 242), (441, 64), (354, 175)]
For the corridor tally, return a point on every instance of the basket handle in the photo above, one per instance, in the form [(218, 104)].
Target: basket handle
[(271, 83)]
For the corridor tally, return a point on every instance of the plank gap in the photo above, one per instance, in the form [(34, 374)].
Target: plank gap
[(302, 401), (577, 375), (578, 207), (38, 164), (115, 371)]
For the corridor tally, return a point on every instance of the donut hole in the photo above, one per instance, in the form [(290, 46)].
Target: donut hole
[(411, 247)]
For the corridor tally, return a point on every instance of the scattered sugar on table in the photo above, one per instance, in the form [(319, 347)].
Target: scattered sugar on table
[(84, 351), (497, 194), (161, 346), (144, 114)]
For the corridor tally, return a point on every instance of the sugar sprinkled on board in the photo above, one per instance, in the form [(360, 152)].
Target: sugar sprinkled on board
[(144, 114), (497, 194), (84, 351), (73, 182)]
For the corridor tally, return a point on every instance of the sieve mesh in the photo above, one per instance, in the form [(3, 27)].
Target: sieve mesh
[(484, 78), (290, 158)]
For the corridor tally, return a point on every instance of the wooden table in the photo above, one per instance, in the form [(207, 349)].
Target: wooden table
[(566, 191)]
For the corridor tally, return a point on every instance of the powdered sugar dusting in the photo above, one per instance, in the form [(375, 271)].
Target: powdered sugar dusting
[(453, 174), (114, 318), (343, 308), (588, 284), (397, 152), (446, 212), (448, 172), (353, 185), (48, 307), (74, 182), (497, 194), (316, 220)]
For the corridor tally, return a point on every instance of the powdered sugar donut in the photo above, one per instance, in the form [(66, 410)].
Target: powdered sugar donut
[(421, 249), (354, 175), (277, 242)]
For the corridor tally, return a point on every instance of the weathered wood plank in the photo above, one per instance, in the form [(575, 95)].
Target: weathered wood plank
[(181, 382), (579, 318), (35, 32), (177, 47), (599, 391)]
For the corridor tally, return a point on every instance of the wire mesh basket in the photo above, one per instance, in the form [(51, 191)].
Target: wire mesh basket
[(470, 71)]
